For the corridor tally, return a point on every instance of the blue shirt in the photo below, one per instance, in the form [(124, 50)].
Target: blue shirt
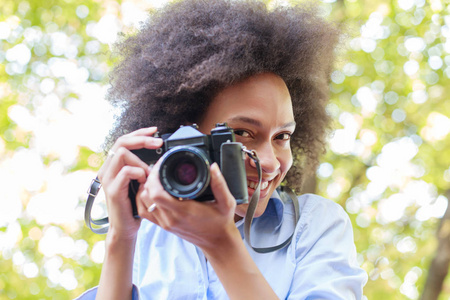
[(320, 262)]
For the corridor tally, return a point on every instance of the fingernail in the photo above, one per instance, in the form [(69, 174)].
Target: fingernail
[(215, 168)]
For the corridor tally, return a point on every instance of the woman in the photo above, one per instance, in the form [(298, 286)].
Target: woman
[(264, 72)]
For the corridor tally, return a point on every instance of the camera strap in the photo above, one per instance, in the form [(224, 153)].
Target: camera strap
[(92, 193), (286, 194)]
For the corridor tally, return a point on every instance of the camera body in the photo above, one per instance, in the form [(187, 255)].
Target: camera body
[(187, 155)]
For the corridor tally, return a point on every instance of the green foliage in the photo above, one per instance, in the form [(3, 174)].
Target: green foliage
[(387, 164), (26, 272), (379, 49)]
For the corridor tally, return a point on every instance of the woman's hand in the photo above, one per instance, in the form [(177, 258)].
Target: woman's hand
[(205, 224), (115, 175), (210, 226), (119, 169)]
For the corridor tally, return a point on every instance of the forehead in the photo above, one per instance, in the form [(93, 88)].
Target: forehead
[(263, 97), (259, 85), (266, 90)]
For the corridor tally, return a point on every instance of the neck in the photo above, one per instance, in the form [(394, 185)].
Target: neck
[(237, 218)]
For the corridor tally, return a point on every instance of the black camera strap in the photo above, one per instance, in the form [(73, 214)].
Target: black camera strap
[(286, 194), (92, 193)]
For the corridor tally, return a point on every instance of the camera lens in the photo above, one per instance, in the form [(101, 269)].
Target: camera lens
[(184, 172)]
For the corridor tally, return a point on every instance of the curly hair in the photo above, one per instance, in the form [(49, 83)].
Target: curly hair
[(168, 72)]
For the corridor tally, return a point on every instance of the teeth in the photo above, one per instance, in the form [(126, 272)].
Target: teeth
[(264, 185), (252, 184)]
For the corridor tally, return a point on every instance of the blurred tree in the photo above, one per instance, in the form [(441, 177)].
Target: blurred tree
[(387, 164), (440, 263), (51, 56)]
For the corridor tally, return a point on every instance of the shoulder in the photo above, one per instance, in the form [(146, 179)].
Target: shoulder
[(317, 209), (322, 223), (324, 249)]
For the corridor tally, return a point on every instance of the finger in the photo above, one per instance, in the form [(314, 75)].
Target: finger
[(219, 187), (122, 158), (134, 142), (141, 138), (144, 131), (130, 142), (157, 191), (160, 215), (147, 194), (143, 201), (151, 208), (120, 184), (153, 183)]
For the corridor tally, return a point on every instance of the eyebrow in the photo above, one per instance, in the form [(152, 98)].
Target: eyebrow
[(256, 122)]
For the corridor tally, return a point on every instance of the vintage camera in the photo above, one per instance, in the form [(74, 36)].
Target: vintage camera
[(186, 158)]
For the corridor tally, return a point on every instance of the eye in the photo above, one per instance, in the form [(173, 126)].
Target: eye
[(242, 132), (285, 136)]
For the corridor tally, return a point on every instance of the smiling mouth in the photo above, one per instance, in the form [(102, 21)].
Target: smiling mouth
[(253, 185)]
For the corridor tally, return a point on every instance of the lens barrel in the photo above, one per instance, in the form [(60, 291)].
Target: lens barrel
[(184, 172)]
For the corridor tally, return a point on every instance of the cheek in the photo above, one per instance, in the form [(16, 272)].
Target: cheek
[(286, 162)]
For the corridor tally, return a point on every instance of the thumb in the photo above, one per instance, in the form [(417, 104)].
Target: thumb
[(219, 187)]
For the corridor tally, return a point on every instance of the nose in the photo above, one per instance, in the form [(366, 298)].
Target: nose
[(267, 158)]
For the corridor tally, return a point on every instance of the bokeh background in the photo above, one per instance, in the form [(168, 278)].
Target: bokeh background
[(387, 164)]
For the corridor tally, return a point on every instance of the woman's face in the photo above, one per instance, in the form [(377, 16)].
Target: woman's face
[(259, 109)]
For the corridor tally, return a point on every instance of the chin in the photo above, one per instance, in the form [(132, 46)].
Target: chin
[(241, 209)]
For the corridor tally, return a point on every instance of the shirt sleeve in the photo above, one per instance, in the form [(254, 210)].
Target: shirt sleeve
[(325, 254), (92, 293)]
